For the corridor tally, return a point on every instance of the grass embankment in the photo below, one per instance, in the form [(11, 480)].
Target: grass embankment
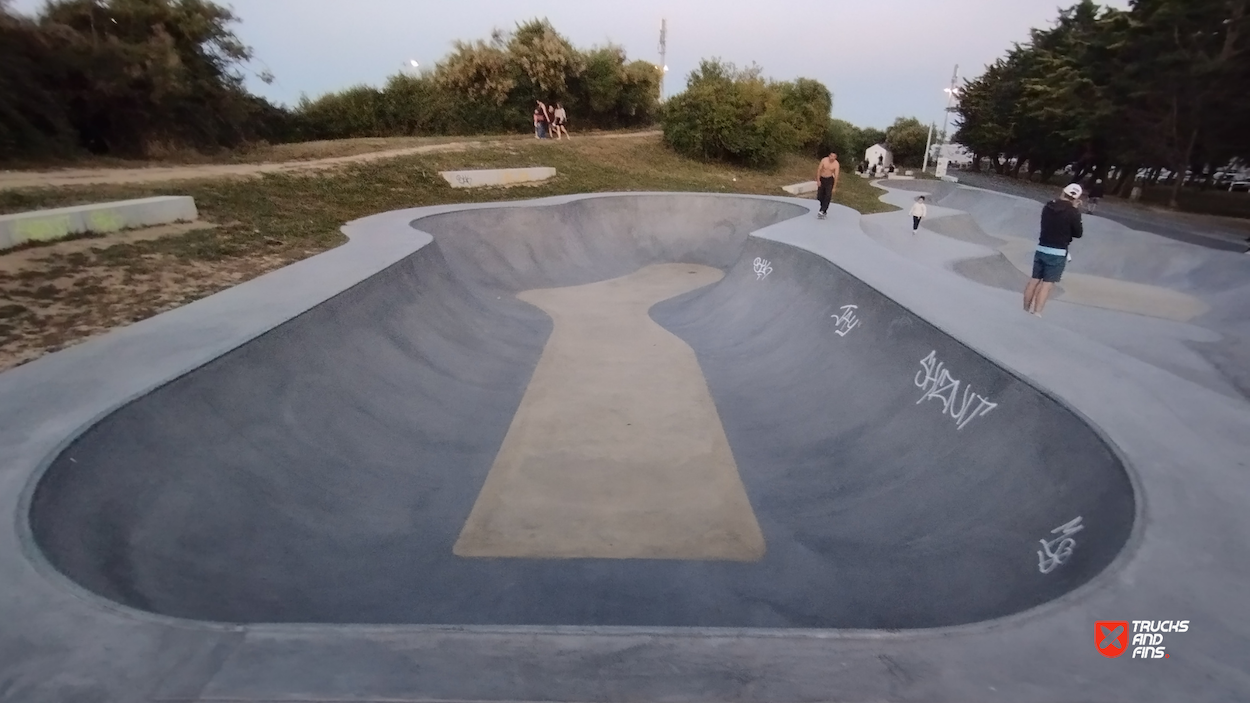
[(57, 295), (277, 153)]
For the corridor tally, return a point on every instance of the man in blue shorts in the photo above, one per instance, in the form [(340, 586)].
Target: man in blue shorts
[(1061, 223)]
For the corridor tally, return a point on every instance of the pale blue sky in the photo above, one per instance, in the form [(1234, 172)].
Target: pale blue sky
[(881, 58)]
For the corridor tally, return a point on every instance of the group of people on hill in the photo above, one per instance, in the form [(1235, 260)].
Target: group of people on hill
[(550, 122)]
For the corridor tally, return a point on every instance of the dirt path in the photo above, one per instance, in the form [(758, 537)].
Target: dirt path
[(13, 180)]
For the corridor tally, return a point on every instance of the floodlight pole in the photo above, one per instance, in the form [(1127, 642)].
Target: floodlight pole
[(663, 54), (950, 99), (928, 144)]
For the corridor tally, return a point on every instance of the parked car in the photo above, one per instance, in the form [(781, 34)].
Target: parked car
[(1239, 187)]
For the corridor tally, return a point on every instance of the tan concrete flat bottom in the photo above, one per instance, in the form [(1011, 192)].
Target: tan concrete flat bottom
[(616, 450)]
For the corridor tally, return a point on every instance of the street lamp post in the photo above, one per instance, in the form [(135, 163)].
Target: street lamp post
[(928, 144), (951, 92)]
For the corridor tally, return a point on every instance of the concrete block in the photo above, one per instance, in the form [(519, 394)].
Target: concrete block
[(801, 188), (497, 176), (50, 225), (950, 179), (897, 177)]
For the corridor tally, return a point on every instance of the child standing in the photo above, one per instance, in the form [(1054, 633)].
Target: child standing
[(918, 212), (541, 121)]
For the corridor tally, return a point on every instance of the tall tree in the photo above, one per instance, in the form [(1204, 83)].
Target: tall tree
[(142, 74), (33, 119), (1159, 85), (1184, 57), (906, 140)]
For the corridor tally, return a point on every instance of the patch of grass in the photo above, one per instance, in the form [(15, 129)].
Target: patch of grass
[(72, 237), (265, 152), (275, 219)]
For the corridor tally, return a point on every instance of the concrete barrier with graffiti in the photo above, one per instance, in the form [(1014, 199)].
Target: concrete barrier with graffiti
[(49, 225), (497, 176)]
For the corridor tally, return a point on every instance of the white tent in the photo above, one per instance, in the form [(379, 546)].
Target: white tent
[(878, 155)]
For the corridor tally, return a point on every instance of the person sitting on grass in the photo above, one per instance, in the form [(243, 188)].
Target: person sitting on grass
[(1061, 223)]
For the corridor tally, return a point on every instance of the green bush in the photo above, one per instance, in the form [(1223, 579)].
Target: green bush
[(491, 86), (736, 116), (850, 142), (906, 139), (126, 77), (355, 112), (843, 138), (810, 102)]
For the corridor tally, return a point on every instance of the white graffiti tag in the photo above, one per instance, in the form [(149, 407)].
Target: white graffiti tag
[(1059, 549), (763, 267), (847, 320), (938, 383)]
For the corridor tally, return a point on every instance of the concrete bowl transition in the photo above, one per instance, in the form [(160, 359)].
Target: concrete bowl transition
[(617, 447), (322, 472)]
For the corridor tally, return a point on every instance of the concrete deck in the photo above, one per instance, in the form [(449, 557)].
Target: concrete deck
[(123, 585)]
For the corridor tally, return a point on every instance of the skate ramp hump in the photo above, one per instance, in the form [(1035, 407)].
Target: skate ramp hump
[(1108, 270), (860, 468), (1195, 296)]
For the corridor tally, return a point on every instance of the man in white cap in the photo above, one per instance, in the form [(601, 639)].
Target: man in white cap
[(1061, 223)]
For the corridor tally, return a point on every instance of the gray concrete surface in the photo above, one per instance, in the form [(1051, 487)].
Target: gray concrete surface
[(769, 348), (1151, 275), (1220, 233), (58, 223), (362, 430)]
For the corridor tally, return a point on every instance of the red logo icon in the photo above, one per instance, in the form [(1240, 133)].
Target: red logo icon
[(1111, 636)]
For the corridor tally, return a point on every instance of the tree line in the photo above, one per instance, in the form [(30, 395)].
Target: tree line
[(736, 115), (1160, 87), (125, 77), (490, 86), (136, 78)]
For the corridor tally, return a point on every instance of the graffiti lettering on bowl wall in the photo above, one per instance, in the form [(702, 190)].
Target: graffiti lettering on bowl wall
[(846, 319), (938, 384), (763, 267), (1059, 549)]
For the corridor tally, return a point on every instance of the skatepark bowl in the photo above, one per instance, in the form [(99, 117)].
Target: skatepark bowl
[(608, 412)]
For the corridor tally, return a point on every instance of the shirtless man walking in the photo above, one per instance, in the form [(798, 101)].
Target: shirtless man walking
[(827, 175)]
